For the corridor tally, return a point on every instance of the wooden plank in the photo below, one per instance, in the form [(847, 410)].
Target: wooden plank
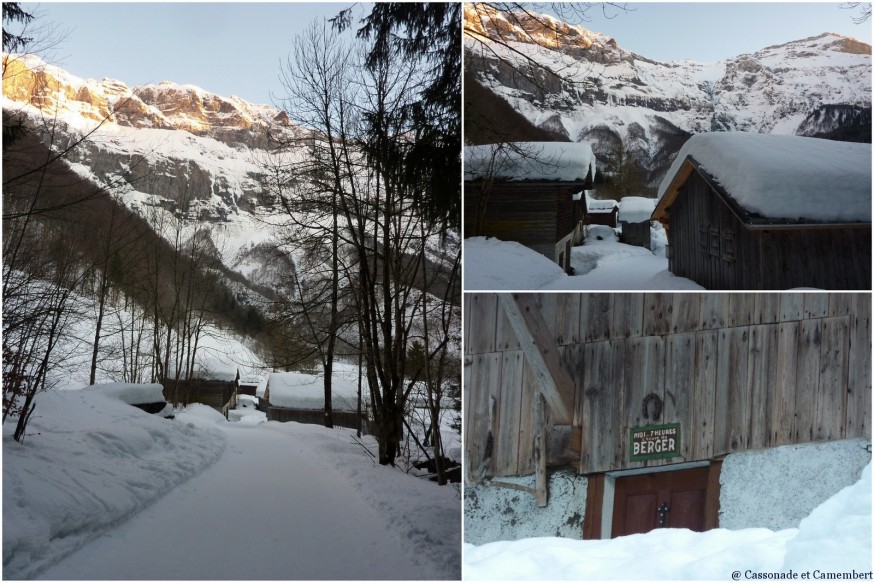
[(791, 306), (762, 380), (859, 380), (741, 309), (830, 405), (767, 310), (505, 338), (841, 304), (597, 317), (680, 387), (573, 359), (541, 497), (627, 315), (466, 311), (541, 353), (807, 379), (548, 310), (783, 398), (568, 318), (816, 305), (686, 314), (484, 386), (644, 374), (506, 452), (657, 313), (601, 406), (701, 428), (714, 311), (527, 423), (483, 321), (731, 430)]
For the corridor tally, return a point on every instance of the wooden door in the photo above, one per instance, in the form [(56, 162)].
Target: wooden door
[(667, 499)]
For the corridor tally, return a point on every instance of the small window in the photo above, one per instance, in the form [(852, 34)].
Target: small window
[(728, 246), (704, 239), (714, 242)]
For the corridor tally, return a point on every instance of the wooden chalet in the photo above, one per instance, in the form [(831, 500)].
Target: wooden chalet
[(751, 211), (528, 192), (644, 397), (634, 217)]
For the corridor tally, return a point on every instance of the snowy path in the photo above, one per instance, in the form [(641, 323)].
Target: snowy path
[(270, 508)]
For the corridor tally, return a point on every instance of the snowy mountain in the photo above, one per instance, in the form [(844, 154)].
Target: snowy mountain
[(819, 86), (164, 150)]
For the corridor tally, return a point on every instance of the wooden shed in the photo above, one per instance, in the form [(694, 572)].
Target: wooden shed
[(601, 212), (300, 397), (528, 192), (645, 394), (214, 386), (752, 211)]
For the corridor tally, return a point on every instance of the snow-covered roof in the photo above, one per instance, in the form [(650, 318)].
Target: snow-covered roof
[(259, 381), (132, 394), (596, 206), (554, 161), (299, 390), (777, 177), (635, 209)]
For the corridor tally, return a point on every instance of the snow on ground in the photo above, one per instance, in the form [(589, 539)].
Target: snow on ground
[(89, 462), (135, 496), (491, 264), (835, 538)]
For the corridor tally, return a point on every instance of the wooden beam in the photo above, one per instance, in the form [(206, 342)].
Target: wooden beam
[(542, 354), (541, 495)]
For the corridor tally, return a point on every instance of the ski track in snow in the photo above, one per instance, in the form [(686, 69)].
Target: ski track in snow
[(292, 518)]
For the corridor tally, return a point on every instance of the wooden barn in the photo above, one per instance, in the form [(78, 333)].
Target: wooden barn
[(634, 217), (216, 388), (627, 412), (601, 212), (528, 192), (300, 397), (753, 211)]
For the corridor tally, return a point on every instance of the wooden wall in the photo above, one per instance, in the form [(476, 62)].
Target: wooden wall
[(538, 213), (710, 245), (738, 371)]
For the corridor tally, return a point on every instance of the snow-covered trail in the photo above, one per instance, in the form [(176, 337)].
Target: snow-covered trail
[(293, 518)]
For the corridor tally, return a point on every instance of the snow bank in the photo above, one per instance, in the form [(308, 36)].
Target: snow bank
[(785, 177), (636, 209), (298, 390), (88, 462), (132, 394), (835, 538), (559, 161), (492, 264)]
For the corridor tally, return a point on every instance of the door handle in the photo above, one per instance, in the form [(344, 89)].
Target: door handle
[(662, 511)]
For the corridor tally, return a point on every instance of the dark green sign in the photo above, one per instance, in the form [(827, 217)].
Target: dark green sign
[(654, 442)]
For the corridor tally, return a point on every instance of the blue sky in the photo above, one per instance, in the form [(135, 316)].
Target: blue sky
[(236, 48)]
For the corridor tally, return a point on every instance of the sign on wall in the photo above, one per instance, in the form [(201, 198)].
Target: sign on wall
[(653, 442)]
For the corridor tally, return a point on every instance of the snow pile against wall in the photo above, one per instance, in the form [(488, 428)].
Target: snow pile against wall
[(490, 263), (837, 535), (554, 161), (88, 462), (298, 390), (635, 209), (785, 177), (132, 394), (493, 514), (776, 488)]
